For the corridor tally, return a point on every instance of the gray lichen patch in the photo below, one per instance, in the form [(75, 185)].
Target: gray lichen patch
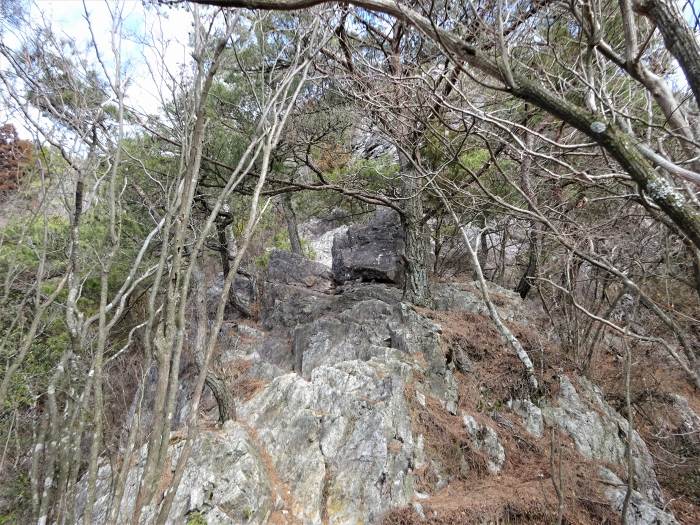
[(598, 127), (660, 189)]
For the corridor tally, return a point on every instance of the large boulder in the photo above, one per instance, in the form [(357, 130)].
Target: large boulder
[(295, 290), (372, 252), (294, 270)]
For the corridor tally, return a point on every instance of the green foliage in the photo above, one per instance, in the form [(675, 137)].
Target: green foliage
[(280, 241), (196, 518)]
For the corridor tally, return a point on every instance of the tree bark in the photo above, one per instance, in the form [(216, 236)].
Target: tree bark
[(223, 395), (525, 283), (292, 229), (482, 250), (226, 249), (678, 37), (416, 288)]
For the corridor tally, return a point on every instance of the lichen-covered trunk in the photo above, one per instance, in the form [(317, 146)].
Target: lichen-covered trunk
[(678, 37), (223, 393), (416, 288)]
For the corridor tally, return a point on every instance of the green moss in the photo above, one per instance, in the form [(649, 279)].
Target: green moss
[(196, 518)]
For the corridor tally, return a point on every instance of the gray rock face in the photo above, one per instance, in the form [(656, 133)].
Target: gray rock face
[(356, 333), (530, 414), (296, 289), (372, 328), (640, 511), (339, 432), (284, 306), (689, 421), (225, 481), (485, 439), (319, 235), (294, 270), (341, 441), (599, 432), (243, 289), (372, 252)]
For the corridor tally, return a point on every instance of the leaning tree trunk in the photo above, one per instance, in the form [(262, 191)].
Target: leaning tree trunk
[(292, 229), (223, 393), (416, 289), (678, 37), (226, 249)]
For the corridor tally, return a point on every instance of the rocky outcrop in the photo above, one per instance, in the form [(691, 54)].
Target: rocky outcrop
[(370, 252), (332, 430), (485, 439), (295, 290), (287, 268), (341, 440), (225, 481), (640, 511), (319, 235), (600, 433), (530, 414)]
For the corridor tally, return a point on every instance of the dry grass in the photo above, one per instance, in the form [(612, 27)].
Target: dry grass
[(506, 499), (242, 382), (445, 441), (523, 492), (497, 374), (676, 452)]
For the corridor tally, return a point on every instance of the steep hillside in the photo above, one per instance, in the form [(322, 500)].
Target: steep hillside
[(354, 407)]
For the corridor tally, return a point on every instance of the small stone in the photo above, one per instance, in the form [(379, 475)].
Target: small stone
[(419, 510)]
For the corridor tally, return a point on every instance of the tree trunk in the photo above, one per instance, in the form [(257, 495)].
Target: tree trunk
[(292, 230), (482, 249), (525, 282), (223, 395), (216, 383), (416, 289), (678, 37), (223, 247), (226, 248), (531, 271)]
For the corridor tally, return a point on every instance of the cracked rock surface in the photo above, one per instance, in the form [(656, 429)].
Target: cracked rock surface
[(329, 434)]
